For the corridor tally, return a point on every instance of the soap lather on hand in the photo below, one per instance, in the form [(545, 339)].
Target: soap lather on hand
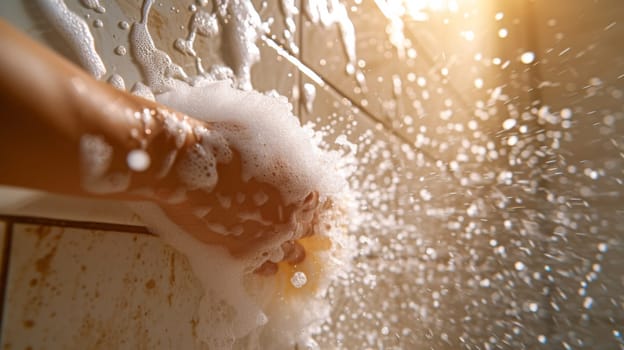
[(65, 132)]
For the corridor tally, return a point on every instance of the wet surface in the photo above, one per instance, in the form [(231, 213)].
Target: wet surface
[(491, 188)]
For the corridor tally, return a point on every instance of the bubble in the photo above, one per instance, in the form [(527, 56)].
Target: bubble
[(478, 83), (588, 302), (138, 160), (509, 123), (527, 57), (603, 247), (542, 339), (98, 23), (121, 50), (298, 279), (533, 307), (425, 195), (519, 266)]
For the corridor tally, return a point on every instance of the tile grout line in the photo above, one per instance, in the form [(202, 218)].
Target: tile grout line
[(329, 86), (89, 225), (4, 271)]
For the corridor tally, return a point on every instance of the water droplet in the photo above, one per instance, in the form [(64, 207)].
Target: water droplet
[(121, 50), (603, 247), (509, 123), (299, 279), (478, 83), (542, 339), (588, 302), (519, 266), (138, 160), (527, 57), (533, 307)]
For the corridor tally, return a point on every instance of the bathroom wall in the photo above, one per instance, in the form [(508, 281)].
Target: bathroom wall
[(85, 274)]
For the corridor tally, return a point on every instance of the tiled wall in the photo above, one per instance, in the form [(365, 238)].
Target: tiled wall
[(92, 277), (94, 286)]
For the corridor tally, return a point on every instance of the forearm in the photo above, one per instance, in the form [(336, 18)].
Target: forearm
[(47, 106)]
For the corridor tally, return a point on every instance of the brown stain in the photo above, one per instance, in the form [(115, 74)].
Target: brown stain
[(28, 324), (172, 276), (194, 323), (42, 232), (43, 264), (170, 298), (33, 282), (150, 284)]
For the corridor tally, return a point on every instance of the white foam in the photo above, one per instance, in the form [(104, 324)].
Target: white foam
[(273, 146), (157, 67), (76, 33), (330, 12), (241, 29), (95, 159), (309, 94), (93, 5)]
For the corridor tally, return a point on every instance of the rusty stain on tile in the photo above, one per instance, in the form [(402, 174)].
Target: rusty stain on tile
[(105, 296)]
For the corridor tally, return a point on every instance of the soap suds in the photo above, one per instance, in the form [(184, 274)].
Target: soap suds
[(330, 12), (273, 146), (238, 306), (159, 71), (93, 5), (96, 156), (76, 33)]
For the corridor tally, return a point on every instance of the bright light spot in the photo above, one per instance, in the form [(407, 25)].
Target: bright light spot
[(502, 33), (499, 16), (588, 302), (138, 160), (566, 113), (542, 339), (509, 123), (425, 195), (533, 307), (478, 83), (512, 140), (468, 35), (519, 266), (603, 247), (527, 57)]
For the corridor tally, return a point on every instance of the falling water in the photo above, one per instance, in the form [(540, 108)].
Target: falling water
[(486, 147)]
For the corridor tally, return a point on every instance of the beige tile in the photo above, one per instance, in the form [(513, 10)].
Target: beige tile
[(436, 46), (72, 288), (27, 203), (579, 59), (433, 277)]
